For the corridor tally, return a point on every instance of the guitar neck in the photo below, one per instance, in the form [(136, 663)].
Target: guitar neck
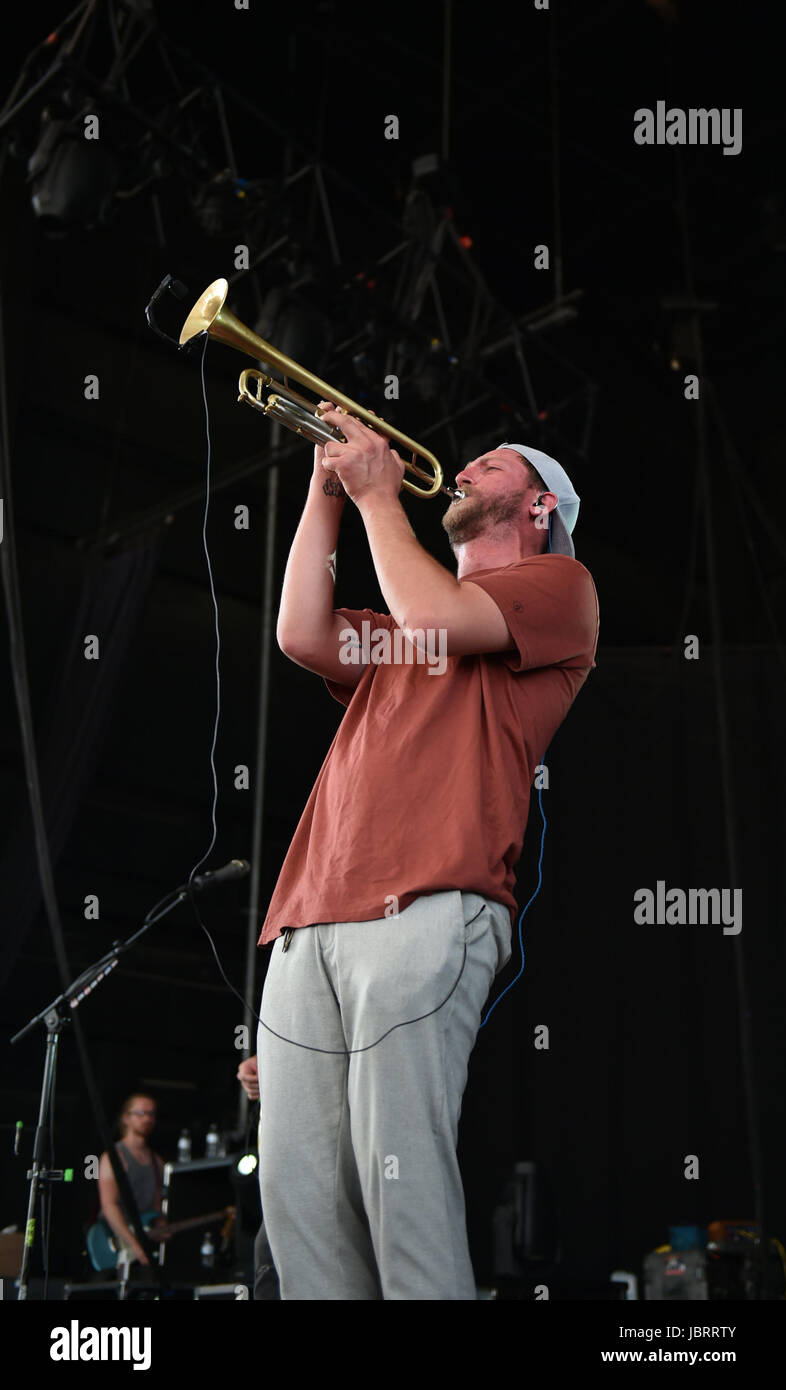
[(193, 1221)]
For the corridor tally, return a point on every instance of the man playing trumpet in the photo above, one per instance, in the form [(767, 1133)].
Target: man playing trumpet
[(394, 907)]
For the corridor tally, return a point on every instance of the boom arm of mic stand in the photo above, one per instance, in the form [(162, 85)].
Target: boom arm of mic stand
[(97, 970)]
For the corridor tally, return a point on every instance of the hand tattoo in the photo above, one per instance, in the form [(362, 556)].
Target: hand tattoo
[(333, 487)]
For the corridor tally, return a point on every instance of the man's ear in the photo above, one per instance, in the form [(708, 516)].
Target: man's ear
[(543, 504)]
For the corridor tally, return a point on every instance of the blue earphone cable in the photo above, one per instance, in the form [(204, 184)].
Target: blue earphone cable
[(540, 875), (529, 904)]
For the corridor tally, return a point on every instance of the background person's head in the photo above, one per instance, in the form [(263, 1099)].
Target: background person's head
[(137, 1116)]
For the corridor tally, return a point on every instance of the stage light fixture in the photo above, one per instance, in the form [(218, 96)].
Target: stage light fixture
[(73, 179)]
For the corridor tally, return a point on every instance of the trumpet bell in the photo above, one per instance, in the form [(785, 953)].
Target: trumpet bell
[(210, 316), (205, 311)]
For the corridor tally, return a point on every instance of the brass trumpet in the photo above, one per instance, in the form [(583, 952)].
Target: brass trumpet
[(293, 410)]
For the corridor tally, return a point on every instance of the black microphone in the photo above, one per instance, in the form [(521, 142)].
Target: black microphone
[(175, 287), (236, 868)]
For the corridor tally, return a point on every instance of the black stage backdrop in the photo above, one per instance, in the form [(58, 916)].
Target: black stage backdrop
[(643, 1066), (649, 246)]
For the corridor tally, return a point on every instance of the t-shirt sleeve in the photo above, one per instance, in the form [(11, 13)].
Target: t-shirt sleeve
[(355, 617), (551, 608)]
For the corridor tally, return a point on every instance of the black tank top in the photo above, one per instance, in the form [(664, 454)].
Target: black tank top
[(142, 1178)]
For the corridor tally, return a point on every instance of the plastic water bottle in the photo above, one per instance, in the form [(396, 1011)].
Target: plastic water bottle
[(184, 1147), (211, 1142), (207, 1251)]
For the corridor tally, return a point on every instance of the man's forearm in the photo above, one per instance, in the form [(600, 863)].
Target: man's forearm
[(308, 592), (113, 1215), (419, 591)]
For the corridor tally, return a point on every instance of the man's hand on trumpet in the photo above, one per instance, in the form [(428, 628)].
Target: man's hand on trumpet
[(366, 465), (329, 482)]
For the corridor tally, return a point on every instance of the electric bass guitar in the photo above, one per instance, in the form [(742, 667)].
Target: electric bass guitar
[(106, 1250)]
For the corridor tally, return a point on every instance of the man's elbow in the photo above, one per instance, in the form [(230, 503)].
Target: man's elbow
[(428, 639), (282, 637), (415, 630), (419, 622), (297, 649), (457, 637), (427, 627), (289, 642)]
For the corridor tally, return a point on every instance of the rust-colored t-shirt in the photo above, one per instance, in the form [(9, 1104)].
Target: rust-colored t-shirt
[(426, 785)]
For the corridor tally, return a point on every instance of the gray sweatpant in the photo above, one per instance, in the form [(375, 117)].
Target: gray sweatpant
[(359, 1178)]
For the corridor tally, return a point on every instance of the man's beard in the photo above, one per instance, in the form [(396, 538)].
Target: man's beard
[(476, 516)]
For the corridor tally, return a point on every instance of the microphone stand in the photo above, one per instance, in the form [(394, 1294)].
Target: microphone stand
[(55, 1016)]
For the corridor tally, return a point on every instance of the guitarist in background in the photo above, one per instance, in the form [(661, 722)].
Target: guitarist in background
[(144, 1168)]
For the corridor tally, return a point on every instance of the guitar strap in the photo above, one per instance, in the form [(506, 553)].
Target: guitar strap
[(159, 1167)]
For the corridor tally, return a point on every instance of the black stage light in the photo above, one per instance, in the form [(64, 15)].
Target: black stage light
[(224, 204), (437, 177), (73, 178), (219, 205)]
